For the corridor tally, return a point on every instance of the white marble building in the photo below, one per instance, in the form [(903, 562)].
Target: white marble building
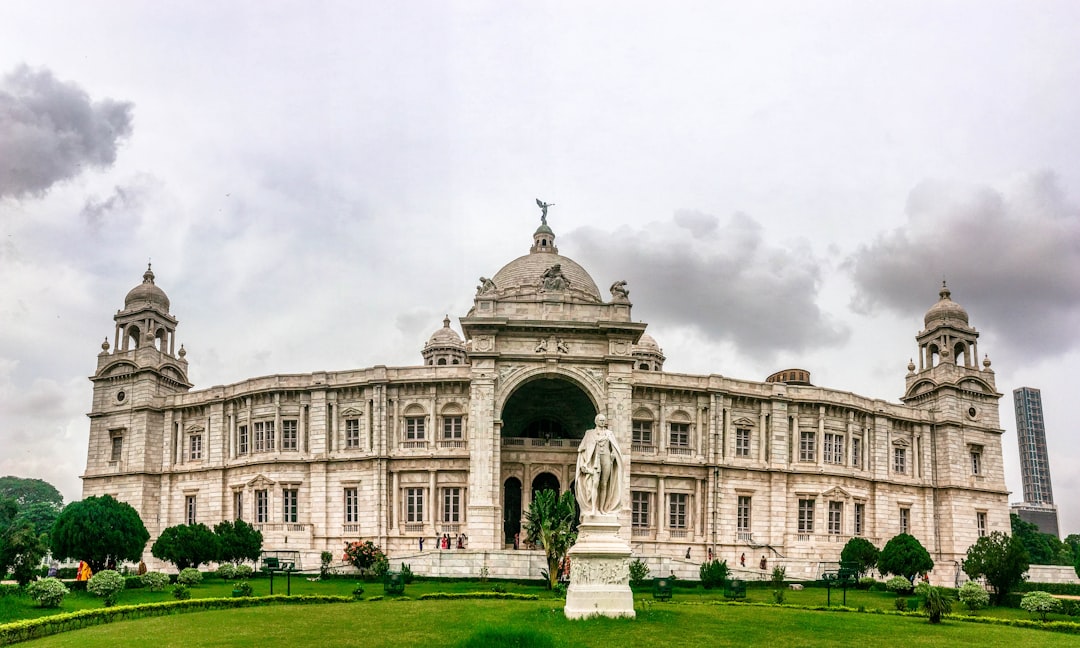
[(778, 468)]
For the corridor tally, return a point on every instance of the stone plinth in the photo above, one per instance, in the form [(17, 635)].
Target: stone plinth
[(599, 571)]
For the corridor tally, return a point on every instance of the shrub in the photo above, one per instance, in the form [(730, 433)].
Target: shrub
[(935, 604), (901, 604), (363, 555), (325, 558), (225, 571), (189, 577), (244, 571), (155, 581), (358, 591), (714, 573), (406, 573), (1040, 603), (778, 596), (639, 572), (381, 566), (48, 592), (498, 588), (107, 584), (899, 585), (181, 592), (242, 588), (973, 596), (866, 582)]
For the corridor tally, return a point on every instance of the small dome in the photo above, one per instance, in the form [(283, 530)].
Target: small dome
[(527, 272), (147, 293), (945, 310), (647, 343), (445, 337)]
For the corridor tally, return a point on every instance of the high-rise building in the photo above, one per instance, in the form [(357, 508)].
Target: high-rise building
[(1038, 505)]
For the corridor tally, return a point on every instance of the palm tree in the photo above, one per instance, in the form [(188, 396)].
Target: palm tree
[(549, 523)]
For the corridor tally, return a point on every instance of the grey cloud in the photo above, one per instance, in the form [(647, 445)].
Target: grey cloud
[(720, 278), (95, 210), (1012, 259), (50, 130)]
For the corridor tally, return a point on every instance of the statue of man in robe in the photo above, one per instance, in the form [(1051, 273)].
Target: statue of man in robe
[(599, 471)]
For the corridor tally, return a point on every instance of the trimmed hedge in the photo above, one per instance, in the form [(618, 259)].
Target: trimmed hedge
[(478, 595), (57, 623), (1070, 589)]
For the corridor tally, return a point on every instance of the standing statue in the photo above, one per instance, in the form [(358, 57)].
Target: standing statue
[(599, 471), (543, 210)]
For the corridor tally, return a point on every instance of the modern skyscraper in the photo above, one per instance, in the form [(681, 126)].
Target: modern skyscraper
[(1038, 506)]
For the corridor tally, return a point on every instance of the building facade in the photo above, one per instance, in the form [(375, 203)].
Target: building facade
[(1038, 505), (458, 445)]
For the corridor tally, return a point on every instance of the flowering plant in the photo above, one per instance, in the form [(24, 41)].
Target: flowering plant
[(48, 592), (363, 555)]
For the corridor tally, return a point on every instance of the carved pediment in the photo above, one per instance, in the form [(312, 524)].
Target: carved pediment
[(743, 422), (901, 442), (352, 411), (836, 493), (260, 481), (194, 429)]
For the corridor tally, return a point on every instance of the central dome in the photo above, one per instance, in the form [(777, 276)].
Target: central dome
[(528, 271)]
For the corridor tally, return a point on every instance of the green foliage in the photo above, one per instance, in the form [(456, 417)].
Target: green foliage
[(325, 558), (363, 555), (905, 556), (244, 571), (40, 515), (867, 582), (27, 491), (406, 573), (639, 572), (549, 523), (97, 530), (155, 581), (225, 571), (713, 573), (936, 604), (779, 573), (189, 576), (1001, 559), (973, 596), (381, 566), (358, 591), (861, 553), (107, 584), (242, 588), (186, 545), (48, 592), (901, 604), (181, 592), (238, 542), (477, 595), (1040, 603), (899, 585), (1040, 549), (21, 550), (517, 637)]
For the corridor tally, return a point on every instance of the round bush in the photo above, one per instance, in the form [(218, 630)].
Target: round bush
[(107, 584), (866, 582), (1040, 603), (181, 592), (899, 585), (225, 571), (242, 588), (244, 571), (973, 596), (155, 581), (48, 592), (189, 577)]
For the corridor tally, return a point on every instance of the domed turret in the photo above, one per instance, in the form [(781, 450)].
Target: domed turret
[(945, 309), (147, 294), (444, 347), (648, 356)]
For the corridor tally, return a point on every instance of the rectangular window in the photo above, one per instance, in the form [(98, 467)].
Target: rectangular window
[(262, 509), (677, 510), (352, 433), (899, 461), (352, 506), (639, 509), (414, 505), (680, 435), (860, 513), (807, 446), (242, 443), (980, 523), (742, 442), (642, 433), (414, 428), (271, 438), (806, 516), (191, 508), (451, 511), (289, 439), (742, 514), (856, 452), (117, 449), (834, 448), (976, 463), (836, 517), (195, 447), (264, 436), (452, 428), (905, 520), (238, 505), (289, 500)]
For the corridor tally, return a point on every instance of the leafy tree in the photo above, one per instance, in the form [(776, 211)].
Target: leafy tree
[(41, 515), (861, 553), (1001, 558), (238, 542), (30, 491), (549, 522), (713, 573), (1040, 551), (99, 530), (186, 545), (21, 551), (904, 556)]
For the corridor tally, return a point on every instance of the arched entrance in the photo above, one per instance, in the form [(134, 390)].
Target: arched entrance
[(511, 509), (545, 481)]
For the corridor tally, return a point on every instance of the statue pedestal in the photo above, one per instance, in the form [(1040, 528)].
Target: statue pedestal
[(599, 571)]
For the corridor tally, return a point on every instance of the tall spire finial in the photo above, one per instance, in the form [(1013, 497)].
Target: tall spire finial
[(944, 294), (543, 210)]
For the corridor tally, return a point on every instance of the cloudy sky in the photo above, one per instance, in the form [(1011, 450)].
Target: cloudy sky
[(317, 183)]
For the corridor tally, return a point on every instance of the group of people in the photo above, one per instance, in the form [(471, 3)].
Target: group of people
[(446, 542)]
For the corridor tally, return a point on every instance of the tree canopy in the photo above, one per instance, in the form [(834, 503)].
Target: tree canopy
[(238, 541), (187, 545), (21, 548), (26, 491), (99, 530), (1001, 558), (905, 556), (861, 553), (549, 522)]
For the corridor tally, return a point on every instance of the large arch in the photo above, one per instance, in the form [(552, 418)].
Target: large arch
[(548, 406)]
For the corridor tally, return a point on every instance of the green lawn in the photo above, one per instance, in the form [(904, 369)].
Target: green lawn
[(447, 623)]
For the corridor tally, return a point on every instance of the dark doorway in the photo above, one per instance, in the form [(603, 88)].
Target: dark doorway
[(511, 509), (545, 481), (548, 408)]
